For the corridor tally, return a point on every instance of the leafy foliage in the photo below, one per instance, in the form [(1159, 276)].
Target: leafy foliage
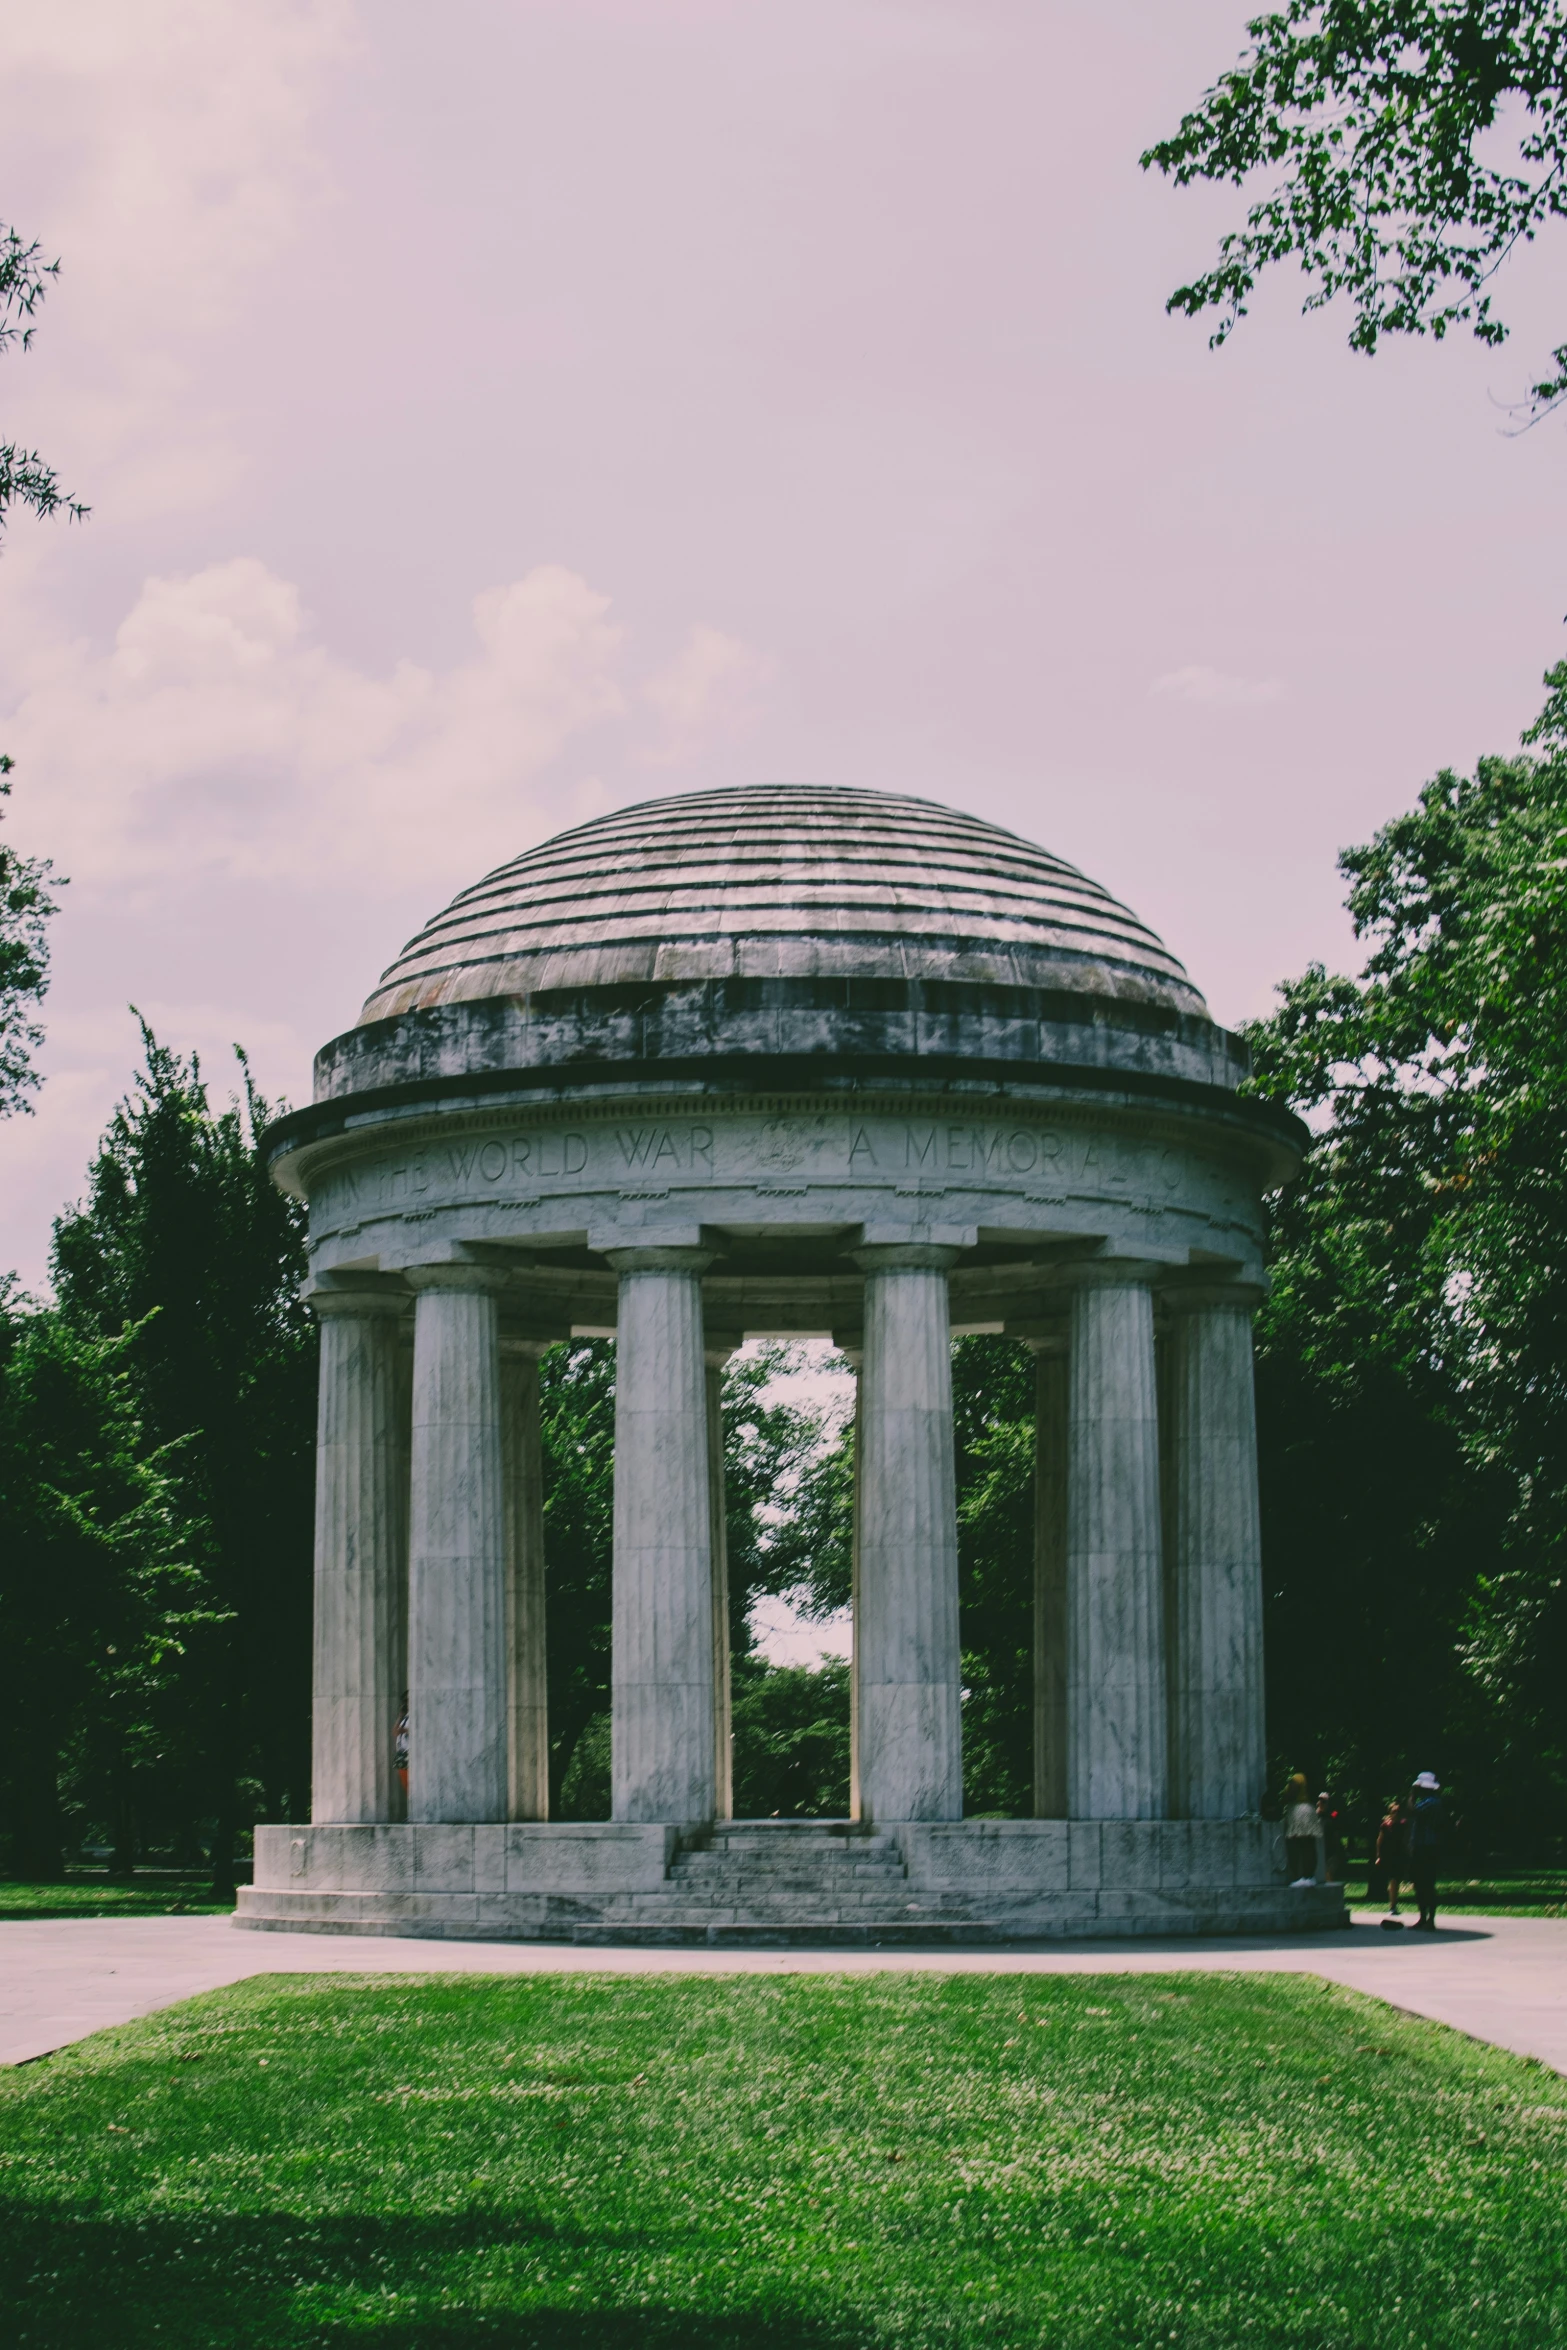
[(97, 1600), (1376, 118), (26, 903), (186, 1246), (993, 1420), (25, 278), (1413, 1397), (26, 883)]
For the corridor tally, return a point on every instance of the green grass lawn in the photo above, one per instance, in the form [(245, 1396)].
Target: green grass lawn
[(1525, 1893), (783, 2163), (88, 1893)]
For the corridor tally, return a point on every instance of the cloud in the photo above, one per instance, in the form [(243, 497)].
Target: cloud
[(709, 691), (219, 737), (1215, 690), (167, 151)]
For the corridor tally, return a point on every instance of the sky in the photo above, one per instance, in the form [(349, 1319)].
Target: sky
[(495, 414)]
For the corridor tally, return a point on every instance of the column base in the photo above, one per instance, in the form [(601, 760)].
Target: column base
[(772, 1883)]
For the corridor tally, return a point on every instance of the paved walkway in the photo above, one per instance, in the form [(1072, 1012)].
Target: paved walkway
[(1499, 1979)]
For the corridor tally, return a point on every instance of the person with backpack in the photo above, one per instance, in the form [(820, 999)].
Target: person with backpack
[(1426, 1822)]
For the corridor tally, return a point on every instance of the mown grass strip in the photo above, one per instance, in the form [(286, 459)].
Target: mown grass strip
[(815, 2162)]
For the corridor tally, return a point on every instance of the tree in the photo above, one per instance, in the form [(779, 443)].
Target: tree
[(1383, 123), (993, 1424), (25, 882), (97, 1599), (185, 1244), (1413, 1378), (25, 278), (26, 903)]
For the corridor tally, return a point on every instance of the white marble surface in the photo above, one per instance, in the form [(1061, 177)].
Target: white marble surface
[(528, 1748), (662, 1687), (458, 1727), (909, 1669), (1116, 1711), (1050, 1579), (1218, 1760), (723, 1736), (360, 1561)]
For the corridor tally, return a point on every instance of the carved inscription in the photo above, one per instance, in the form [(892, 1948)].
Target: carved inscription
[(770, 1151), (685, 1149)]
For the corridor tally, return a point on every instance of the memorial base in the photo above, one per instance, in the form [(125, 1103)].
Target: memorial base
[(779, 1882)]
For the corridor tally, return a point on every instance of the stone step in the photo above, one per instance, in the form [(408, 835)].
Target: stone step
[(770, 1934), (774, 1841), (711, 1868), (784, 1905)]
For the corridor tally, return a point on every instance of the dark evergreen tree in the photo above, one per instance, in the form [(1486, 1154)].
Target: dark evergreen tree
[(184, 1242), (99, 1606)]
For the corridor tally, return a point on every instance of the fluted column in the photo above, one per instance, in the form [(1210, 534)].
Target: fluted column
[(852, 1348), (1050, 1584), (1117, 1758), (360, 1559), (457, 1713), (906, 1630), (528, 1746), (662, 1762), (716, 1355), (1217, 1756)]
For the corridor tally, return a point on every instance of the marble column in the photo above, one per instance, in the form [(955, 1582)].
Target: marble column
[(457, 1719), (360, 1558), (1117, 1741), (715, 1355), (528, 1746), (662, 1763), (852, 1348), (1050, 1583), (1217, 1757), (906, 1630)]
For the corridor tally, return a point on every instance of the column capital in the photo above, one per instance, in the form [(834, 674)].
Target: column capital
[(1241, 1297), (1113, 1273), (660, 1260), (472, 1280), (719, 1345), (389, 1304), (905, 1256)]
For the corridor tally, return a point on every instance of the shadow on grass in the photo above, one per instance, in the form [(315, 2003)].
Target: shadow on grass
[(79, 2281)]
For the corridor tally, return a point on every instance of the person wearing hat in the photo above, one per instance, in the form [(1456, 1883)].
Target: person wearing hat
[(1425, 1845), (1302, 1833)]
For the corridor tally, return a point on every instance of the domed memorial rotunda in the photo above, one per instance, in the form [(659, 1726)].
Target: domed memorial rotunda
[(790, 1061)]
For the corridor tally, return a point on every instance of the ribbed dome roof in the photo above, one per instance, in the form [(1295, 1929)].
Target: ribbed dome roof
[(783, 881)]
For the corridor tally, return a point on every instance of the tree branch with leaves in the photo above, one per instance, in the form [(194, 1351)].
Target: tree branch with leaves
[(1375, 118)]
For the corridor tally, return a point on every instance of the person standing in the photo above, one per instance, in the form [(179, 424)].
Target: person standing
[(1393, 1852), (1332, 1820), (1426, 1822), (1302, 1832)]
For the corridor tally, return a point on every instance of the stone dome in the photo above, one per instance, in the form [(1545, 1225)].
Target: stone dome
[(783, 882), (790, 936)]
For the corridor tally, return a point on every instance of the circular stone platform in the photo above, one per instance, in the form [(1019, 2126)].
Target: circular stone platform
[(784, 1060)]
